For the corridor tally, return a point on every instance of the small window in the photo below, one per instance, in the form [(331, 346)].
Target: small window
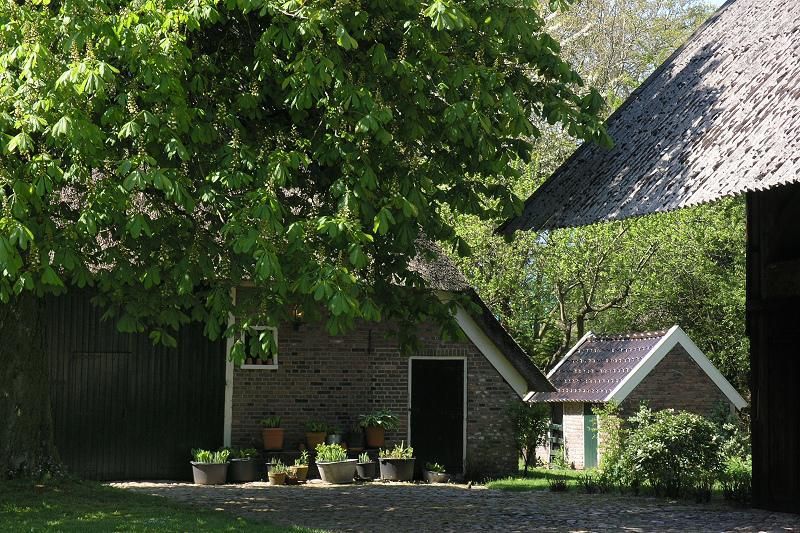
[(256, 357)]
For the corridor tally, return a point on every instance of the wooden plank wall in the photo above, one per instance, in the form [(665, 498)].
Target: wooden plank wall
[(773, 322), (123, 408)]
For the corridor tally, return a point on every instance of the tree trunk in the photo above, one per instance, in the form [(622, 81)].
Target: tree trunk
[(27, 448)]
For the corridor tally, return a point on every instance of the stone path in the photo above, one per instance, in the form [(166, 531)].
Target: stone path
[(405, 507)]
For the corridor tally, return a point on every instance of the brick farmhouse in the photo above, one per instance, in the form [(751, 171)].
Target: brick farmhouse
[(664, 370), (451, 396)]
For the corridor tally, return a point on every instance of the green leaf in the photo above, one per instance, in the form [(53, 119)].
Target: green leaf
[(344, 39)]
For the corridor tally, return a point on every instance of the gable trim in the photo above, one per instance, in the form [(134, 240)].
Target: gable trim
[(675, 336), (491, 352)]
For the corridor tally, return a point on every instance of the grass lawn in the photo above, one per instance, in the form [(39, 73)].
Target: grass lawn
[(537, 480), (89, 506)]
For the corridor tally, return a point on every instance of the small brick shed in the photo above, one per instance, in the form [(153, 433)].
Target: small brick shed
[(451, 396), (664, 369)]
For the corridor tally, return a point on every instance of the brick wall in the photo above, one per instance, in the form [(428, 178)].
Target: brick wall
[(677, 382), (335, 379)]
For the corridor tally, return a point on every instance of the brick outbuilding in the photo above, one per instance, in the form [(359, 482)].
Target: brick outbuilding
[(664, 370), (451, 396)]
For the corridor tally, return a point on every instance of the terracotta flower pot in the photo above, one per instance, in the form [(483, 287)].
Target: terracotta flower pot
[(313, 438), (376, 436), (273, 438), (299, 472), (277, 479)]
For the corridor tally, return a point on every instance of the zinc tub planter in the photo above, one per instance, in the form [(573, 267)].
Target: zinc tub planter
[(339, 472), (396, 469), (243, 470), (209, 473)]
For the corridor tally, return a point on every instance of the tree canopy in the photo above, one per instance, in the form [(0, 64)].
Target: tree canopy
[(685, 267), (163, 151)]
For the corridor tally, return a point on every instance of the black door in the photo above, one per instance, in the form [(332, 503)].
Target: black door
[(437, 412)]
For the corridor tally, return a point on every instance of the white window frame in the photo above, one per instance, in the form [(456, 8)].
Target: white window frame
[(274, 365)]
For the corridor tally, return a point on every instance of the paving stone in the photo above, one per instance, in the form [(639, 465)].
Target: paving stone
[(401, 507)]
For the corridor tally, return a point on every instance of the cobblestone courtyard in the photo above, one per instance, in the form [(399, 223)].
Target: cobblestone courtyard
[(406, 507)]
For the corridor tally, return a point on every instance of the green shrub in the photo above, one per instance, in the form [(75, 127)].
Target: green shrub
[(529, 424), (331, 453), (673, 452), (737, 480)]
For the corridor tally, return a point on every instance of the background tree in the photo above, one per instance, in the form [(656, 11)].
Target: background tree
[(645, 274), (162, 152)]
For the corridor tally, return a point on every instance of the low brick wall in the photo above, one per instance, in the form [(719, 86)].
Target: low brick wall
[(335, 379)]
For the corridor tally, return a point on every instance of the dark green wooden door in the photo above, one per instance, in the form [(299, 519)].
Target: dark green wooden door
[(437, 412), (589, 437), (123, 408)]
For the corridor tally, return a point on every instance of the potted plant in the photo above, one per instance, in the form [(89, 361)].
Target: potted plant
[(365, 468), (210, 468), (243, 465), (334, 437), (435, 473), (299, 472), (376, 424), (277, 473), (333, 464), (315, 433), (397, 464), (272, 433)]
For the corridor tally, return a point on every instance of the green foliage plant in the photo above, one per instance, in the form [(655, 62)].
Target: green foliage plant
[(278, 467), (364, 458), (435, 467), (400, 451), (330, 453), (383, 418), (243, 453), (671, 451), (315, 426), (210, 457), (271, 422), (737, 480), (302, 460), (529, 424), (589, 482), (558, 484)]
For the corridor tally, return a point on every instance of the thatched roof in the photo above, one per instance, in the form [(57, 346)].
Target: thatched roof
[(441, 274), (719, 118)]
